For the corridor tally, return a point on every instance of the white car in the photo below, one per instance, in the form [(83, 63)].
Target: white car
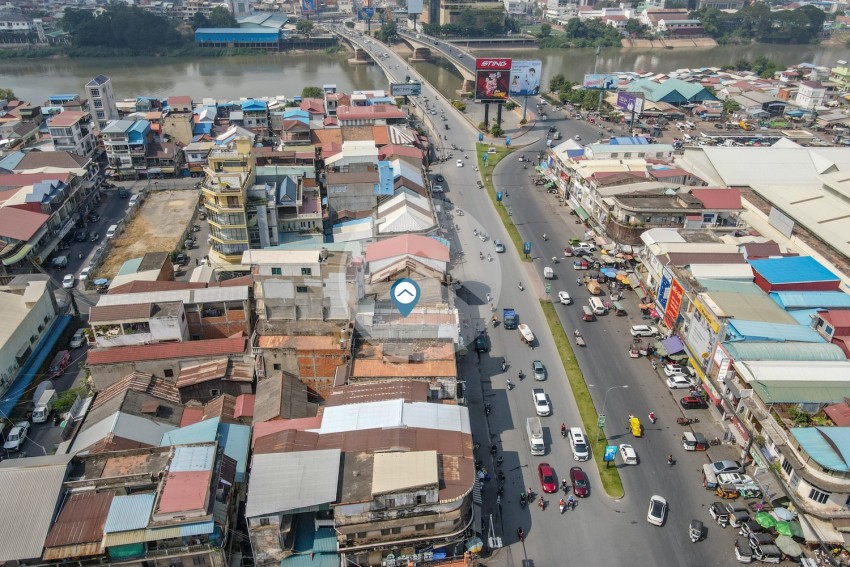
[(677, 370), (734, 478), (644, 331), (577, 138), (628, 454), (564, 298), (679, 382), (437, 189), (499, 246), (84, 275), (459, 163), (657, 511), (78, 339), (68, 281), (16, 437), (541, 402)]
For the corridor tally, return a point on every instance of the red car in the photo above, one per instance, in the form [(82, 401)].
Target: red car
[(579, 482), (693, 402), (548, 480)]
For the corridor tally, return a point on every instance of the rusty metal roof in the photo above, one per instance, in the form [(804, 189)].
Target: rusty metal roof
[(222, 368), (120, 313), (408, 390), (81, 520)]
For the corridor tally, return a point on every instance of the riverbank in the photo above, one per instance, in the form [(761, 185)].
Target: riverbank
[(691, 43)]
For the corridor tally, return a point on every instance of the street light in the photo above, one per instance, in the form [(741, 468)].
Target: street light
[(604, 401)]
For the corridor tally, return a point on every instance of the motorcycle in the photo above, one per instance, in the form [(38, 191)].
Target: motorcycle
[(510, 385), (670, 460), (652, 418), (520, 286), (521, 376), (486, 409), (504, 366), (562, 505), (522, 499), (496, 322), (686, 420), (541, 503)]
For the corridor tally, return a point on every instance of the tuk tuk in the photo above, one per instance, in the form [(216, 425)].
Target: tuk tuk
[(743, 551), (726, 491), (695, 530), (738, 518), (694, 441), (749, 527), (760, 539), (768, 554), (635, 426), (586, 313), (719, 513), (101, 285), (568, 251), (59, 363), (580, 265)]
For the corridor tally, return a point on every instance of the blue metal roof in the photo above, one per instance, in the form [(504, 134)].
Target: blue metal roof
[(792, 269), (201, 432), (131, 266), (254, 105), (313, 547), (755, 350), (628, 141), (233, 438), (810, 299), (129, 512), (828, 446), (804, 316), (760, 331), (199, 528), (236, 440), (192, 459)]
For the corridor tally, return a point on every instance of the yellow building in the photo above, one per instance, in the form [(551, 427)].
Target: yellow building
[(229, 173)]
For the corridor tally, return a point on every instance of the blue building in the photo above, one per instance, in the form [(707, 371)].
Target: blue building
[(262, 38)]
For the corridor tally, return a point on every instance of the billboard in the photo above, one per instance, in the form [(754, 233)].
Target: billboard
[(525, 77), (405, 89), (630, 102), (493, 64), (603, 81), (492, 77), (414, 6), (308, 7), (671, 313)]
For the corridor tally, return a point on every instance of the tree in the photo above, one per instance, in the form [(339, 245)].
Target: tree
[(388, 33), (200, 21), (545, 30), (7, 94), (304, 26), (312, 92), (221, 17), (556, 83), (633, 26)]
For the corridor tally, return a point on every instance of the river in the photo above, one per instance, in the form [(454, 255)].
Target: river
[(287, 74)]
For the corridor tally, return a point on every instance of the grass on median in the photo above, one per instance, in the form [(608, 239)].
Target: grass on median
[(487, 176), (610, 476)]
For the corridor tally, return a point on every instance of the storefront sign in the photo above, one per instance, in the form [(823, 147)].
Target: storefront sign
[(671, 313)]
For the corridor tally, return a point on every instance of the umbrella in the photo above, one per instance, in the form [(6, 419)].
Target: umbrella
[(765, 520), (783, 514), (788, 546), (783, 528), (474, 544), (609, 272)]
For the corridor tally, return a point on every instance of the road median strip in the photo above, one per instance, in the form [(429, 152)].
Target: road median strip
[(487, 175)]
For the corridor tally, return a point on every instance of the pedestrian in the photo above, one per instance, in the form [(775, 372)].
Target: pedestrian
[(499, 502), (197, 262)]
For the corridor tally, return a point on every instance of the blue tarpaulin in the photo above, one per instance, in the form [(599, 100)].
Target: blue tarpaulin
[(33, 363)]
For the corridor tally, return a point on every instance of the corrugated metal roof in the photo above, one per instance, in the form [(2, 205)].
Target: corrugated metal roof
[(828, 446), (236, 440), (71, 551), (199, 528), (793, 269), (809, 299), (81, 520), (183, 492), (120, 424), (395, 413), (748, 350), (802, 391), (203, 431), (29, 494), (192, 459), (129, 512), (282, 482), (761, 330), (163, 351), (140, 536)]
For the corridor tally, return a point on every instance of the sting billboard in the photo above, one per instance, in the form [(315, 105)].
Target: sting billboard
[(492, 78)]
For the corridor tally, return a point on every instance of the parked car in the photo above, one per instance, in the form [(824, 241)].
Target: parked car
[(439, 178), (95, 236), (657, 511), (678, 382), (181, 259), (644, 331), (737, 479), (677, 370), (628, 454), (78, 339), (693, 402), (68, 281), (548, 480), (93, 217), (577, 138), (84, 275), (564, 298), (539, 370), (578, 479), (81, 235), (720, 467), (16, 437)]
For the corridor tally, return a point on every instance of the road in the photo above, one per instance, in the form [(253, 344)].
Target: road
[(601, 530)]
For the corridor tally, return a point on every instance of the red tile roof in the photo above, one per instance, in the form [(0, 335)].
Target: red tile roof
[(162, 351), (23, 179), (397, 150), (381, 135), (192, 415), (184, 492), (269, 427), (245, 405), (377, 112), (67, 118), (407, 244), (180, 101), (719, 199), (838, 318), (313, 105), (19, 224)]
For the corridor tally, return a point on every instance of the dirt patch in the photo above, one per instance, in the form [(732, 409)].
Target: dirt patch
[(159, 226)]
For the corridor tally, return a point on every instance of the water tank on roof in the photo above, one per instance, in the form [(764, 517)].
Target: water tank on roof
[(323, 254)]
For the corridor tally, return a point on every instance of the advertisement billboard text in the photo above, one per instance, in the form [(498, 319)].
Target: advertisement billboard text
[(406, 89), (525, 77), (603, 81), (414, 6), (630, 102), (673, 304), (493, 64), (492, 85)]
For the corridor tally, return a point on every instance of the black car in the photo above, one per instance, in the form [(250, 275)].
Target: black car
[(581, 252), (439, 178), (181, 259), (81, 235), (718, 125), (482, 343)]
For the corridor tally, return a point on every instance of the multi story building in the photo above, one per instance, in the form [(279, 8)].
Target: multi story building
[(71, 131), (126, 143), (810, 94), (230, 172), (99, 91)]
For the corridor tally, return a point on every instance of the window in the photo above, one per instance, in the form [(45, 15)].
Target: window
[(306, 271), (818, 495), (277, 272), (94, 92), (390, 502), (199, 560), (169, 373), (420, 499), (215, 392), (301, 289), (276, 366), (264, 521), (828, 330), (786, 466)]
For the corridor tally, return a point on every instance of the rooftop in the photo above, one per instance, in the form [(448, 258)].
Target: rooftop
[(792, 269), (396, 472), (161, 351), (286, 482)]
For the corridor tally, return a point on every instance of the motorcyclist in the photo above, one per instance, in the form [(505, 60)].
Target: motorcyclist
[(541, 502), (562, 504), (652, 416), (544, 236), (670, 459), (564, 432), (519, 533)]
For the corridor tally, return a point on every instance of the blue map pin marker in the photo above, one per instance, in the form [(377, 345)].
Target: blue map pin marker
[(405, 295)]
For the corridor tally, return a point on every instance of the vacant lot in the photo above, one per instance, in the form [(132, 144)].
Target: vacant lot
[(158, 227)]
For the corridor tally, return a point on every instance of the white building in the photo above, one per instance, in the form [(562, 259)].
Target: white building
[(71, 132), (99, 91), (810, 95)]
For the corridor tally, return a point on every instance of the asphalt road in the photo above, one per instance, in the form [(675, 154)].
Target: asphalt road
[(600, 530)]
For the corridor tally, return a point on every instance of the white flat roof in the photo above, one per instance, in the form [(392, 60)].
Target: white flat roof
[(278, 257), (794, 371), (394, 413), (282, 482)]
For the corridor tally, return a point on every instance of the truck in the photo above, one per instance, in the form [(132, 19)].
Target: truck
[(746, 126), (509, 318), (40, 389), (548, 273), (44, 406), (525, 334), (535, 436)]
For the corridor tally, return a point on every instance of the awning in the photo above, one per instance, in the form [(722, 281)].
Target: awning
[(673, 345), (582, 214), (816, 530), (18, 256)]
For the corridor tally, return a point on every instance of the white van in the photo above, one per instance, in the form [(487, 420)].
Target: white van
[(578, 442), (688, 138), (597, 305), (113, 231)]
